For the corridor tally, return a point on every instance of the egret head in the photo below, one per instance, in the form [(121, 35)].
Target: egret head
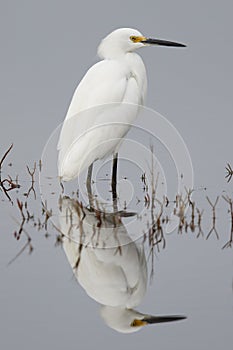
[(124, 40), (128, 320)]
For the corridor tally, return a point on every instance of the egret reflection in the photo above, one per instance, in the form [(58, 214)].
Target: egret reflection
[(110, 267)]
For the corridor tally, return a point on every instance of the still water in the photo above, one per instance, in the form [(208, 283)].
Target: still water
[(80, 277)]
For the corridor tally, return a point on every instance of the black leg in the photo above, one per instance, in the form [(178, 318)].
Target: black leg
[(114, 180)]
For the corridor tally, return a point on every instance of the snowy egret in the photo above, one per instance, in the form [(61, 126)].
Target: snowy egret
[(112, 270), (118, 79)]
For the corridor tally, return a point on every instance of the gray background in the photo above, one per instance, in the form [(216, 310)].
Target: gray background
[(46, 47)]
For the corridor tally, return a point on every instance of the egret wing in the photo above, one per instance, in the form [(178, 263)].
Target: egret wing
[(101, 99), (105, 82)]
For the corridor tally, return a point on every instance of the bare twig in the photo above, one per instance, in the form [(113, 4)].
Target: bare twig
[(40, 165), (229, 172), (47, 213), (5, 155), (230, 202), (213, 228), (11, 185), (32, 174), (200, 214), (23, 219), (27, 244)]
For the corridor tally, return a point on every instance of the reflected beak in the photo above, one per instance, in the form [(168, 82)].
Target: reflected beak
[(160, 319), (159, 42)]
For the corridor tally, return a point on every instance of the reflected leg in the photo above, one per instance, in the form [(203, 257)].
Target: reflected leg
[(88, 185)]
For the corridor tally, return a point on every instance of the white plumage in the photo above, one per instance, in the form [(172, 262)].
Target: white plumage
[(111, 84)]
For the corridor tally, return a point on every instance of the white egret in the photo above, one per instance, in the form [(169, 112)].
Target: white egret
[(110, 267), (118, 79)]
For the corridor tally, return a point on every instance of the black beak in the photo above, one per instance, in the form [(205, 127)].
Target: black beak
[(162, 42), (161, 319)]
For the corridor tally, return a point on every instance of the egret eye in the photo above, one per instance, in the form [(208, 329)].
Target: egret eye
[(133, 38), (138, 323), (133, 324)]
